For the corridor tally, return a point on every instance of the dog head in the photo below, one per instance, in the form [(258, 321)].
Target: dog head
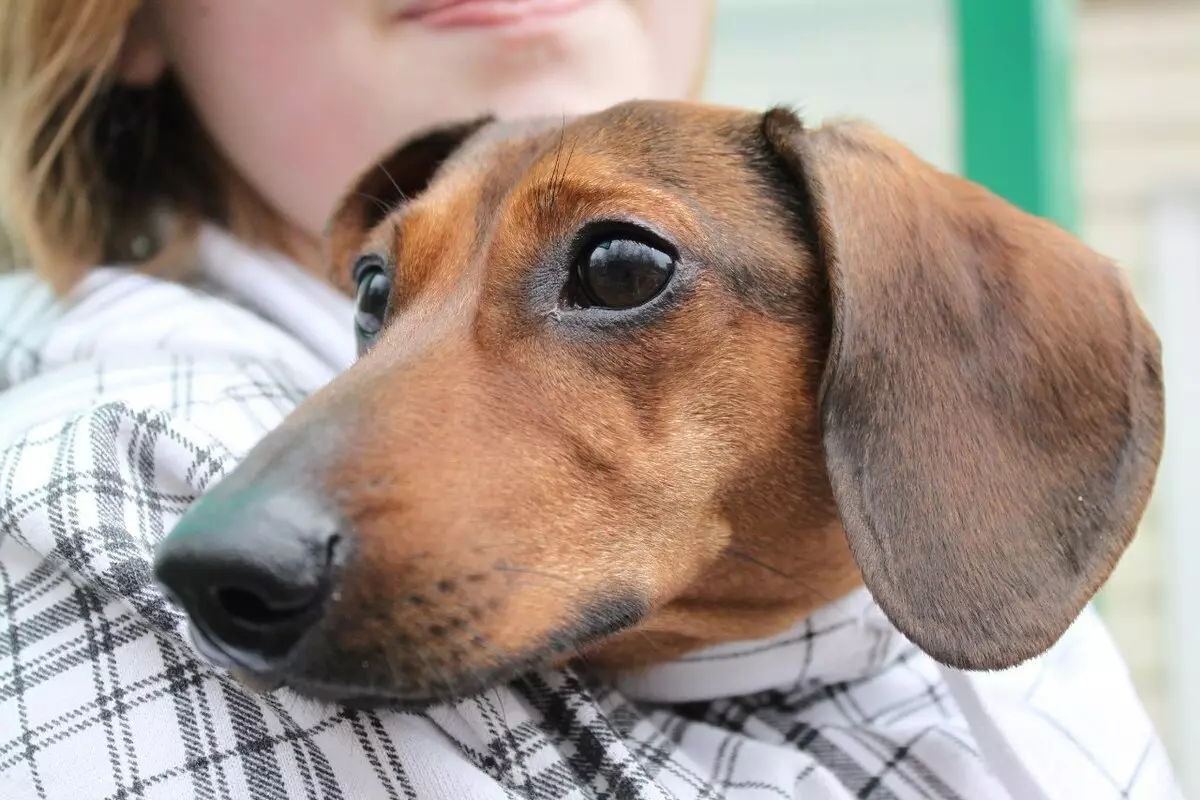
[(669, 375)]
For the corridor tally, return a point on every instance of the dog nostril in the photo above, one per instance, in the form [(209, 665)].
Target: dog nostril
[(278, 602), (252, 610), (254, 569)]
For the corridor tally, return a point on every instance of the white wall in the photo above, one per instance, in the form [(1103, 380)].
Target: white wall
[(1138, 125), (890, 61)]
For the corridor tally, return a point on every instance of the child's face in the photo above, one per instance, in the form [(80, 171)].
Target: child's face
[(303, 94)]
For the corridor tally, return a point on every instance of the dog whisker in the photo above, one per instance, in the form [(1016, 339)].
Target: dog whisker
[(529, 571), (379, 203), (395, 676), (833, 603), (493, 545), (648, 639), (482, 640), (548, 195), (562, 178), (436, 674), (402, 196)]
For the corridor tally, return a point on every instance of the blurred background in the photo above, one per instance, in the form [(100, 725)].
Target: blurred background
[(1085, 111)]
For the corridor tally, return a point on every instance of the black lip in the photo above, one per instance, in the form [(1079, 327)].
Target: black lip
[(598, 620), (230, 658)]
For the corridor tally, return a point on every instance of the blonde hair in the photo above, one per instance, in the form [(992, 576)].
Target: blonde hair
[(96, 171), (88, 166)]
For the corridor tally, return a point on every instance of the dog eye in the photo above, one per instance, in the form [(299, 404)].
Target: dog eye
[(623, 273), (371, 304)]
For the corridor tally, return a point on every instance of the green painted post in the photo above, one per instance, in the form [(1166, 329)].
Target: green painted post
[(1015, 100)]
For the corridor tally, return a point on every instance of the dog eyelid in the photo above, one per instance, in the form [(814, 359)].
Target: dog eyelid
[(366, 262)]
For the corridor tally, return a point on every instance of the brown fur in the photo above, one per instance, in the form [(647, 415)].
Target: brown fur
[(868, 370)]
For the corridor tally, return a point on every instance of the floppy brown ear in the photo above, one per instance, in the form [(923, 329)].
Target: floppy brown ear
[(992, 405), (401, 174)]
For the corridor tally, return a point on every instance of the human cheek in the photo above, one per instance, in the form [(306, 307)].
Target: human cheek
[(285, 88)]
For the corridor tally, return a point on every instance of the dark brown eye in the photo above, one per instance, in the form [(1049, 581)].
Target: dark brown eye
[(623, 273), (371, 303)]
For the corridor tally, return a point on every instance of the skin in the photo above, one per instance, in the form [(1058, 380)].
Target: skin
[(301, 95)]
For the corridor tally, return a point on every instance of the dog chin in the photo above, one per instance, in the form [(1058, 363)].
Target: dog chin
[(368, 698), (325, 675), (361, 697), (358, 698)]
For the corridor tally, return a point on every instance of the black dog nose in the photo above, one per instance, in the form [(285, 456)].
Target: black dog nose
[(253, 569)]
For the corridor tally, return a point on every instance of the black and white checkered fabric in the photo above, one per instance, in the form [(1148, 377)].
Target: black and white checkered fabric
[(120, 406)]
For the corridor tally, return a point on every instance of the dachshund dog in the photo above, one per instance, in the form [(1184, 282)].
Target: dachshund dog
[(670, 375)]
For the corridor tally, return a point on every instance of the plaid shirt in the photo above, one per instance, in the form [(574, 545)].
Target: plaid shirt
[(119, 406)]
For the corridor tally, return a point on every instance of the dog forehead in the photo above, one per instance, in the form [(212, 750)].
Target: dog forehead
[(502, 144), (653, 156), (491, 160), (636, 131)]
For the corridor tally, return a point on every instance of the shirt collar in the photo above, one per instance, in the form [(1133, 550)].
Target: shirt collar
[(845, 640)]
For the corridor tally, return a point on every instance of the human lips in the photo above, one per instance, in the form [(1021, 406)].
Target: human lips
[(478, 13)]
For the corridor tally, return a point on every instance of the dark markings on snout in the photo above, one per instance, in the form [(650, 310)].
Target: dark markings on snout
[(598, 619)]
